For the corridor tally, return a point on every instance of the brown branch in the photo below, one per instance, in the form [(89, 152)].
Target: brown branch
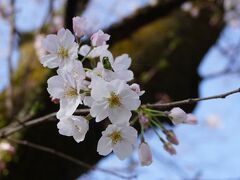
[(191, 100), (19, 125), (141, 17), (67, 157)]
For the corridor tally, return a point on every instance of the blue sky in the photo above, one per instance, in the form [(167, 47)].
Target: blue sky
[(209, 150)]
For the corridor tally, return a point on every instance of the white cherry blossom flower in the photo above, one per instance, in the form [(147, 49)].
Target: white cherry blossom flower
[(114, 100), (119, 66), (99, 38), (61, 48), (75, 126), (118, 70), (119, 139), (66, 87)]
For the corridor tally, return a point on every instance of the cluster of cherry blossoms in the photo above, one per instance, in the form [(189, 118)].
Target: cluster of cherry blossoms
[(104, 88)]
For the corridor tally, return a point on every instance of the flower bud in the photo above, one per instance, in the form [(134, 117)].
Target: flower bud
[(143, 120), (145, 155), (177, 115), (169, 148), (99, 38), (136, 88), (55, 100), (80, 26), (191, 119), (171, 137)]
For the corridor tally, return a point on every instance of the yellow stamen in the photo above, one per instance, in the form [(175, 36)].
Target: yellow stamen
[(62, 53), (113, 100), (70, 92), (115, 137)]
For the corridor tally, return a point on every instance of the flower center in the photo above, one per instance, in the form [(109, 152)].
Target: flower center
[(62, 53), (113, 100), (115, 137), (70, 92)]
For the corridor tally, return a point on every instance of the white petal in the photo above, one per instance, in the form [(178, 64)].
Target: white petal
[(67, 39), (125, 75), (67, 107), (56, 87), (60, 32), (98, 51), (119, 115), (123, 149), (122, 62), (99, 90), (129, 133), (50, 43), (81, 128), (88, 101), (50, 61), (104, 146), (130, 103), (99, 110), (65, 127)]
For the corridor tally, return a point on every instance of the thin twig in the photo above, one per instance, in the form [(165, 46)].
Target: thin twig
[(191, 100), (16, 126), (13, 127), (67, 157)]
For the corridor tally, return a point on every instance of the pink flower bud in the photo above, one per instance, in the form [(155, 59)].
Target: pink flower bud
[(80, 26), (191, 119), (144, 153), (169, 148), (55, 100), (143, 120), (99, 38), (136, 88), (171, 137), (178, 116)]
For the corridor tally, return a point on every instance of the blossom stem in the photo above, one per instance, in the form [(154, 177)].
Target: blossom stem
[(157, 124), (158, 135), (85, 57)]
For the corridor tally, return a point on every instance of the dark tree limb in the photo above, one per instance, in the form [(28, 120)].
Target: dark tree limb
[(141, 17)]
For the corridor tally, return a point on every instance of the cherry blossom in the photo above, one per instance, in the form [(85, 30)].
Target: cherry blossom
[(61, 48), (99, 38), (119, 139), (66, 87), (114, 100), (75, 126)]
